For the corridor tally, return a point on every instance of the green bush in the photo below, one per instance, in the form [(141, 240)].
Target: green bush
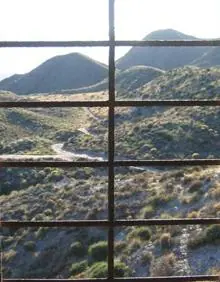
[(210, 235), (77, 249), (98, 251), (213, 233), (30, 246), (146, 258), (78, 267), (165, 241), (148, 211), (100, 270), (143, 233)]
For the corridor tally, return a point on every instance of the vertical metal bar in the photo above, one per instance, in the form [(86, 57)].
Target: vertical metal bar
[(111, 141)]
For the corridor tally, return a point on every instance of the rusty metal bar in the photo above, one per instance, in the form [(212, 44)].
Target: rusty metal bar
[(106, 43), (111, 140), (107, 223), (129, 279), (144, 103), (119, 163)]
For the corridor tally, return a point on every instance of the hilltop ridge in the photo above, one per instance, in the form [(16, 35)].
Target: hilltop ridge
[(72, 70)]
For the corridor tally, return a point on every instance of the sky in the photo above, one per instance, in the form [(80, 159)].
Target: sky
[(88, 20)]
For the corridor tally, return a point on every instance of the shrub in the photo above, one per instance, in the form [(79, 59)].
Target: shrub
[(148, 211), (29, 246), (165, 241), (195, 156), (147, 258), (98, 251), (100, 270), (193, 214), (213, 233), (78, 267), (77, 249), (134, 246), (164, 266), (143, 233), (209, 236), (195, 186), (160, 200), (120, 246)]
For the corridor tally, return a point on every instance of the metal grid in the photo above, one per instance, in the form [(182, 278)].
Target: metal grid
[(111, 223)]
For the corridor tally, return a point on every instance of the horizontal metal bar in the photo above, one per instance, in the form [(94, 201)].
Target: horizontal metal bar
[(120, 163), (52, 164), (179, 221), (173, 103), (175, 162), (22, 44), (60, 223), (171, 278), (146, 103), (117, 43), (168, 43), (139, 279), (55, 104), (106, 223)]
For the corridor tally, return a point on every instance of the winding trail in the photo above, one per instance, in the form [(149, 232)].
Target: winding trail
[(62, 155)]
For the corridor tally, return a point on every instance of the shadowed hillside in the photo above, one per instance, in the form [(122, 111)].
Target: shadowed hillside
[(127, 80), (164, 57)]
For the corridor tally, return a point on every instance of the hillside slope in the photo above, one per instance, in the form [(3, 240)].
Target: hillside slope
[(46, 194), (163, 57), (209, 59), (126, 80), (61, 72), (164, 132)]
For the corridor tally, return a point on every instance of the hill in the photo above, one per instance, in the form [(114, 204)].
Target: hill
[(61, 72), (209, 59), (164, 132), (127, 80), (163, 57)]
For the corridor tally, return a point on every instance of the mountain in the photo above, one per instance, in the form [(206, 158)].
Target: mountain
[(163, 57), (61, 72), (126, 80)]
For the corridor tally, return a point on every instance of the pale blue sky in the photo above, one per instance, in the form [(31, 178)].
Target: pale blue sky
[(88, 20)]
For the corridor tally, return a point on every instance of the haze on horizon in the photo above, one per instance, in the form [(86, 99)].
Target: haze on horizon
[(88, 20)]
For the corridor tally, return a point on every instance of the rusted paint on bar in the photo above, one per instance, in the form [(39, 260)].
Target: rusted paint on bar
[(146, 103)]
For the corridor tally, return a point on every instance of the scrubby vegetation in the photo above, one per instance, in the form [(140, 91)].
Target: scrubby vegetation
[(81, 193)]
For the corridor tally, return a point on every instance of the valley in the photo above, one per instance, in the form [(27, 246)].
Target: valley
[(141, 133)]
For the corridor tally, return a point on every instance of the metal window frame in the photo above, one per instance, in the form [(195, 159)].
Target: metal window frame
[(111, 104)]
